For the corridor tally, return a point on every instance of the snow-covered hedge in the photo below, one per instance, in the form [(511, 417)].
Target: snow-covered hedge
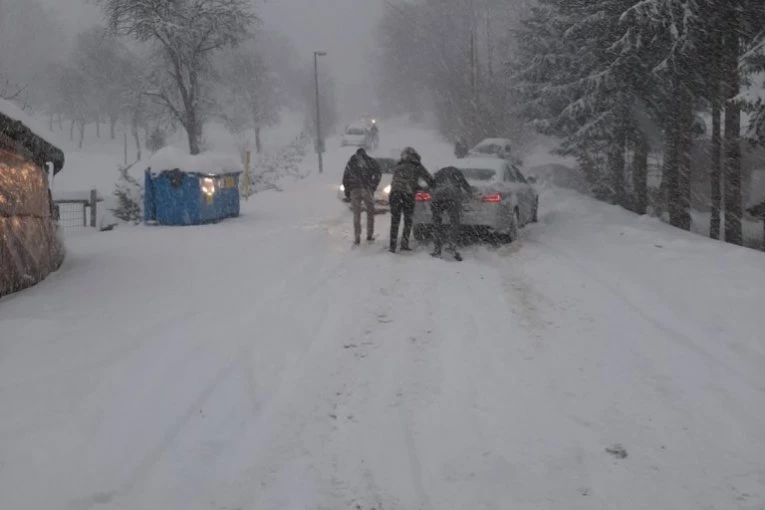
[(272, 167)]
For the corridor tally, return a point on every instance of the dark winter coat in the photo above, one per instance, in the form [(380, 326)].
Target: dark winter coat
[(449, 184), (362, 172), (460, 149), (406, 177)]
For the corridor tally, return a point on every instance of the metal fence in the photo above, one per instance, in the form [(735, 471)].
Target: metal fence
[(77, 210)]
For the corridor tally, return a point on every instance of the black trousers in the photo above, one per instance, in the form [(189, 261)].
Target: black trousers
[(448, 234), (401, 203)]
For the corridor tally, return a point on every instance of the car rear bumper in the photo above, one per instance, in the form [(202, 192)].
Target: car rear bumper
[(492, 216)]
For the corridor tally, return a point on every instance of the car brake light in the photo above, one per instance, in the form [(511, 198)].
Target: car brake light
[(494, 197), (422, 196)]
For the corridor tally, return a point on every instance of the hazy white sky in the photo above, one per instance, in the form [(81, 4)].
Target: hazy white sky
[(344, 28)]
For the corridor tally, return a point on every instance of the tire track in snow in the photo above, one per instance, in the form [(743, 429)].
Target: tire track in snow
[(359, 386), (677, 335), (321, 369), (306, 266), (618, 347)]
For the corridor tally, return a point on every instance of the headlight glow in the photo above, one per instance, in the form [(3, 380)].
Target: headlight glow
[(386, 189), (342, 187)]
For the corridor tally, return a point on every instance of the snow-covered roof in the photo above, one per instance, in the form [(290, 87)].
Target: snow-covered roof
[(361, 124), (9, 109), (208, 163), (493, 141), (496, 164), (19, 126)]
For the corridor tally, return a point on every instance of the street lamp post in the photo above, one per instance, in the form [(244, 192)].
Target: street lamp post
[(319, 144)]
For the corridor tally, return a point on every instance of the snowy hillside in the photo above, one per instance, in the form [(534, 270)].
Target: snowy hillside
[(604, 361)]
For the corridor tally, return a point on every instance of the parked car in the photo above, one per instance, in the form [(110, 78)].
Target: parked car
[(362, 133), (382, 194), (495, 148), (504, 202)]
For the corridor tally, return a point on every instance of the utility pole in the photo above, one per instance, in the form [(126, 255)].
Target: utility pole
[(319, 140)]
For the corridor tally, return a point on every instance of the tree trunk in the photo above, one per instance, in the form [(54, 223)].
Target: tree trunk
[(670, 170), (616, 164), (258, 145), (136, 135), (192, 131), (50, 122), (733, 207), (685, 142), (98, 126), (587, 167), (715, 175), (640, 174), (112, 125), (60, 122), (81, 128), (71, 131)]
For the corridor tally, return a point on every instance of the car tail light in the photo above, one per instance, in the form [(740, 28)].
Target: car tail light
[(494, 197), (422, 196)]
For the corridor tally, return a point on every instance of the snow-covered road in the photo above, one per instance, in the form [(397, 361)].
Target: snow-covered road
[(263, 364)]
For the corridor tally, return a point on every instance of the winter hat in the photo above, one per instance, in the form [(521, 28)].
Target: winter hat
[(409, 154)]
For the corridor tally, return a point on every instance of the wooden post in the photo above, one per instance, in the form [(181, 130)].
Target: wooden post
[(125, 137), (247, 175), (93, 208)]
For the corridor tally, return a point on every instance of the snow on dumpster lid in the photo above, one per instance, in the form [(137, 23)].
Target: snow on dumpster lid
[(207, 163)]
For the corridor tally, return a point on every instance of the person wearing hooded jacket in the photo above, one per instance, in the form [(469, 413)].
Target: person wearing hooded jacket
[(460, 148), (404, 185), (361, 178), (448, 194)]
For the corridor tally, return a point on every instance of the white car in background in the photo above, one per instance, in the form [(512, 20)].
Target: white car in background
[(360, 134), (494, 148), (382, 194), (504, 202)]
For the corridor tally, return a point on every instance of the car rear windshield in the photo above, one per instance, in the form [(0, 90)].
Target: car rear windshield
[(479, 174), (355, 131)]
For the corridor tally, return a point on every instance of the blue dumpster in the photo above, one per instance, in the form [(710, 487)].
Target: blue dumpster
[(175, 197)]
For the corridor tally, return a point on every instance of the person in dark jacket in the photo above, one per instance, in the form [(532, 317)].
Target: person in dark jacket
[(361, 177), (404, 185), (448, 194), (460, 148)]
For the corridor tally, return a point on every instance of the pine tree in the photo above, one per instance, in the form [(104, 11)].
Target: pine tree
[(129, 193), (583, 81)]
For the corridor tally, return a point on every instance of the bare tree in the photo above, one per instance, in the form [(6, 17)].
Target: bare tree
[(106, 64), (31, 41), (253, 93), (186, 33)]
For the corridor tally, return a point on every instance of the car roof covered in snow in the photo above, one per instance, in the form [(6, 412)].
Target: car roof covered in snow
[(493, 141), (496, 164), (360, 123), (207, 163), (24, 130)]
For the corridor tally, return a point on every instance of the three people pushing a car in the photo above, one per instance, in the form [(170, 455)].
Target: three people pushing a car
[(448, 188)]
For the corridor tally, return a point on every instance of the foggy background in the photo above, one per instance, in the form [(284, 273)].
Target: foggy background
[(346, 29)]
